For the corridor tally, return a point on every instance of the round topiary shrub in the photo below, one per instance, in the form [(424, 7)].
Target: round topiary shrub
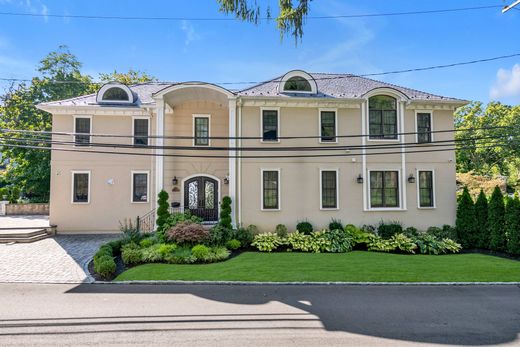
[(233, 244), (105, 266), (335, 224), (304, 227), (200, 252), (187, 232), (281, 230)]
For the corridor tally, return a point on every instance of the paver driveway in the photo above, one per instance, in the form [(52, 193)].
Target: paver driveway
[(60, 259)]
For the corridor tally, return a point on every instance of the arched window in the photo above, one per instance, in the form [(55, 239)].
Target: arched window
[(298, 84), (115, 94), (382, 117)]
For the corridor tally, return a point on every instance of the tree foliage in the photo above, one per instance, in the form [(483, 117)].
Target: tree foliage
[(129, 78), (466, 223), (496, 223), (162, 209), (512, 224), (488, 143), (290, 18), (225, 213)]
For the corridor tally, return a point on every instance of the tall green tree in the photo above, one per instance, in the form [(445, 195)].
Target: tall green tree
[(29, 168), (289, 20), (465, 224), (512, 224), (481, 215), (496, 222), (128, 78)]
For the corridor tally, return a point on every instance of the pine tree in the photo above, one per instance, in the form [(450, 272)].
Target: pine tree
[(162, 209), (481, 214), (496, 211), (465, 224), (512, 221)]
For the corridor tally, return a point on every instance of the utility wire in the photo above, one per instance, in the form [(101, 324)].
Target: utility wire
[(182, 137), (227, 19), (392, 72)]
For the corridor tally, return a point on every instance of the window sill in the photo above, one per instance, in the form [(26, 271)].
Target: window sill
[(383, 140), (139, 202), (329, 209), (327, 142), (80, 203), (383, 209), (270, 209), (426, 208), (270, 141)]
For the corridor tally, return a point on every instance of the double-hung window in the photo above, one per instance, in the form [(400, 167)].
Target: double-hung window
[(329, 189), (82, 128), (384, 189), (201, 130), (270, 189), (139, 186), (81, 187), (426, 189), (424, 127), (328, 126), (382, 117), (141, 131), (270, 122)]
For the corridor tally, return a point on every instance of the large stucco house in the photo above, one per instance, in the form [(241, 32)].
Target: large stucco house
[(361, 150)]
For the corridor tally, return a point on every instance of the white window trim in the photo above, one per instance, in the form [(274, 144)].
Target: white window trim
[(133, 128), (74, 172), (262, 190), (398, 120), (262, 109), (298, 73), (434, 197), (400, 207), (431, 126), (82, 134), (337, 190), (208, 116), (133, 172), (335, 110)]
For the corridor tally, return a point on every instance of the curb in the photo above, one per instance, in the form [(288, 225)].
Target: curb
[(246, 283)]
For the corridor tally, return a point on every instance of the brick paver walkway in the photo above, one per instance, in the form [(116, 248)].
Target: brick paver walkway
[(60, 259)]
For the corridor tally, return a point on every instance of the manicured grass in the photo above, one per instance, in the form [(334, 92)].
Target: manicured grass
[(356, 266)]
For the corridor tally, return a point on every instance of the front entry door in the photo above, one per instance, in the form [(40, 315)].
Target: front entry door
[(201, 197)]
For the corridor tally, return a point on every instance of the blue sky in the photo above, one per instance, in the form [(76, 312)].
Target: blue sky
[(233, 51)]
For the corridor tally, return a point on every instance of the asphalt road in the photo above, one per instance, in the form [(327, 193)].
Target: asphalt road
[(40, 314)]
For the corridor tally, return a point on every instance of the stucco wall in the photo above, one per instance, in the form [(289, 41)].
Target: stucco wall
[(299, 181)]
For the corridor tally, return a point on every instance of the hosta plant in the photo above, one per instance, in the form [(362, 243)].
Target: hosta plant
[(403, 243), (451, 246), (267, 242), (339, 241), (377, 243)]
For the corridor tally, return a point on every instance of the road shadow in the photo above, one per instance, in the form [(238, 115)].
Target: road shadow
[(462, 315)]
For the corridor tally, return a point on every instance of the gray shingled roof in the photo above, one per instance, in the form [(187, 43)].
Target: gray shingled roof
[(144, 92), (340, 86), (329, 86)]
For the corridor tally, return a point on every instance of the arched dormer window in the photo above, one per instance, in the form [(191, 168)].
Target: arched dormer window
[(115, 93), (298, 81), (382, 117)]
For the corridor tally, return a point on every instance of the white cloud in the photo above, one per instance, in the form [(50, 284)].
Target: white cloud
[(45, 12), (507, 84), (189, 31)]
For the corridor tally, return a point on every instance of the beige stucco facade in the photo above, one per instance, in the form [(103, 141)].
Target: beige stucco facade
[(171, 123)]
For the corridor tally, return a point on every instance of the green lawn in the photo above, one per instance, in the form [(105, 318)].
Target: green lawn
[(356, 266)]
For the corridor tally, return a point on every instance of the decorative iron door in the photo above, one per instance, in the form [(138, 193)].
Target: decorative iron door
[(201, 197)]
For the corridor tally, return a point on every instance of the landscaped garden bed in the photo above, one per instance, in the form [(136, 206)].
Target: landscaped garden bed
[(183, 249)]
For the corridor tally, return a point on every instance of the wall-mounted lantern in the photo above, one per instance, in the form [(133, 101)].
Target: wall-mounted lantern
[(175, 181), (226, 180), (359, 179), (411, 179)]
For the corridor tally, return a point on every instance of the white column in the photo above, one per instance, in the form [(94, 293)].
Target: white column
[(232, 161), (404, 179), (159, 141), (364, 172)]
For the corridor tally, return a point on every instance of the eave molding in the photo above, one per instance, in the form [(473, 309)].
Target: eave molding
[(95, 110), (300, 102)]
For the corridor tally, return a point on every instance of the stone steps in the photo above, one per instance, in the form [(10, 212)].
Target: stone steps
[(25, 235)]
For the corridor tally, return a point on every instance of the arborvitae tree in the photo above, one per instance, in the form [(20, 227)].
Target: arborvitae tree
[(162, 209), (466, 222), (512, 220), (496, 210), (481, 214), (225, 213)]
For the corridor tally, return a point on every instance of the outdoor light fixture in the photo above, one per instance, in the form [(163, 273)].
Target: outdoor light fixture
[(411, 179), (359, 179), (226, 180), (175, 181)]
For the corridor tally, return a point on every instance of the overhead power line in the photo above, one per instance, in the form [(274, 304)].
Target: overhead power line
[(391, 72), (226, 19)]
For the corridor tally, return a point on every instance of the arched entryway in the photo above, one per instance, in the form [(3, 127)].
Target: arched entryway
[(201, 197)]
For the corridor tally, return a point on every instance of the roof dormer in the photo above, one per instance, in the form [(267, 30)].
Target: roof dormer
[(115, 93), (298, 81)]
